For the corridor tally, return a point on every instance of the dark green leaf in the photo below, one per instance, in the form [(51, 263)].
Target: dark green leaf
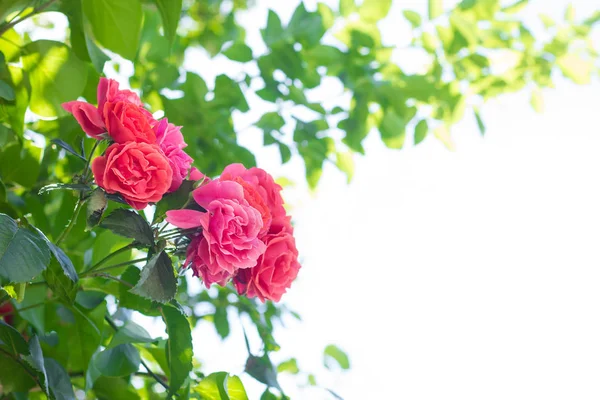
[(129, 224), (121, 360), (36, 360), (56, 76), (221, 322), (68, 148), (13, 376), (116, 24), (20, 164), (175, 200), (89, 299), (239, 52), (61, 285), (6, 91), (130, 333), (261, 369), (157, 281), (133, 301), (12, 341), (333, 353), (285, 152), (23, 252), (179, 346), (170, 12), (58, 380)]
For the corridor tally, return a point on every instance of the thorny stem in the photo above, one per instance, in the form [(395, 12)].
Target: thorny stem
[(35, 11), (117, 265)]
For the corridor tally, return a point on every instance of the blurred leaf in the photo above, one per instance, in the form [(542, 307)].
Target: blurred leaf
[(170, 12), (157, 281), (239, 52), (95, 207), (6, 91), (480, 123), (221, 386), (576, 68), (436, 8), (116, 24), (273, 32), (68, 148), (333, 353), (60, 283), (421, 130), (23, 252), (129, 224), (122, 360), (374, 10), (221, 321), (413, 17), (20, 164), (345, 162), (56, 76), (537, 101), (13, 377), (261, 369), (59, 380), (443, 134), (290, 366), (179, 346), (130, 333), (515, 7), (393, 130), (347, 7)]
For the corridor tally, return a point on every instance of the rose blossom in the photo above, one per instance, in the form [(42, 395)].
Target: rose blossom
[(127, 122), (230, 227), (137, 171), (92, 119), (170, 140), (275, 271)]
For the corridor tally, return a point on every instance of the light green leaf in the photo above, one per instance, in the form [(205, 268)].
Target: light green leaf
[(56, 76), (537, 101), (515, 7), (221, 321), (443, 134), (576, 68), (290, 366), (157, 281), (130, 333), (436, 8), (239, 52), (221, 386), (23, 252), (273, 33), (170, 12), (116, 24), (421, 130), (467, 28), (413, 17), (374, 10), (332, 353), (121, 360), (393, 130), (345, 162), (179, 346), (347, 7)]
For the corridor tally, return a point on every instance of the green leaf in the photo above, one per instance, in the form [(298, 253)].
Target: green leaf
[(133, 301), (537, 101), (221, 386), (239, 52), (263, 370), (436, 8), (421, 130), (170, 12), (60, 284), (306, 27), (345, 162), (290, 366), (179, 346), (13, 377), (121, 360), (576, 68), (20, 164), (12, 341), (116, 389), (270, 121), (285, 152), (129, 224), (393, 130), (515, 7), (221, 321), (56, 76), (36, 360), (116, 24), (157, 281), (331, 354), (84, 335), (6, 91), (480, 123), (96, 205), (465, 27), (273, 32), (23, 252), (36, 316), (413, 17), (130, 333), (89, 299), (374, 10), (347, 7), (58, 380), (68, 148), (97, 56), (442, 133)]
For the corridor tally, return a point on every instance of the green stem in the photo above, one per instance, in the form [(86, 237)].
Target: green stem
[(35, 11), (24, 308), (66, 231), (115, 266), (108, 257), (108, 276), (89, 160)]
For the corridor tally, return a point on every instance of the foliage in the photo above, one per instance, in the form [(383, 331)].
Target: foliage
[(67, 274)]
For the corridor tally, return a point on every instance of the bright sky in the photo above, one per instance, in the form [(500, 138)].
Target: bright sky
[(471, 274)]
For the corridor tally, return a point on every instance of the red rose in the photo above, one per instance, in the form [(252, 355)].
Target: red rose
[(275, 271), (128, 122), (137, 171), (6, 313)]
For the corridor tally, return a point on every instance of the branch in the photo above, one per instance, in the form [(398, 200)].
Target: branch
[(35, 11)]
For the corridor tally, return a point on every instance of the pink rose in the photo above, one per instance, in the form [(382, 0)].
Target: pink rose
[(170, 140), (137, 171), (92, 119), (262, 182), (255, 200), (230, 228), (275, 271), (127, 122)]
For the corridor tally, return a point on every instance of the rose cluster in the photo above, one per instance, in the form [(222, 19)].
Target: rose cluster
[(241, 233), (244, 234), (146, 159)]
